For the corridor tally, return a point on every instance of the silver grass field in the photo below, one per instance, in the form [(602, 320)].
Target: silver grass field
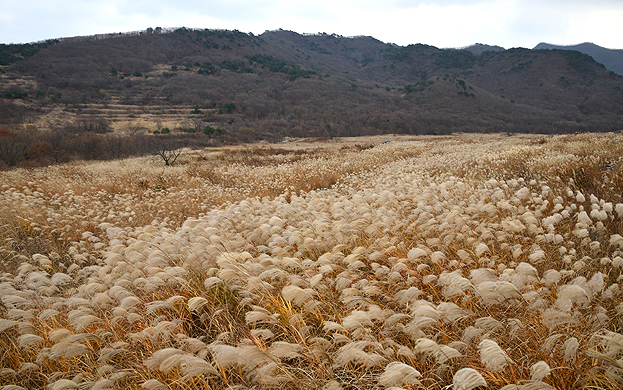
[(457, 262)]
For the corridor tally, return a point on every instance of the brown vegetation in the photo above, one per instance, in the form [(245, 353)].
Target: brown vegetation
[(458, 261)]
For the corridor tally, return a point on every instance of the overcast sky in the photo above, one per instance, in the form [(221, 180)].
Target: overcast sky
[(446, 23)]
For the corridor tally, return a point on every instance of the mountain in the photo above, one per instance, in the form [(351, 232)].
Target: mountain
[(479, 48), (611, 58), (282, 83)]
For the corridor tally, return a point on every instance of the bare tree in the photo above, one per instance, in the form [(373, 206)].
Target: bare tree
[(198, 124), (14, 146), (117, 145), (57, 141), (168, 149), (135, 129), (95, 124)]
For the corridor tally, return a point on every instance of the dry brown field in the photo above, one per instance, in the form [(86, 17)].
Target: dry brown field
[(457, 262)]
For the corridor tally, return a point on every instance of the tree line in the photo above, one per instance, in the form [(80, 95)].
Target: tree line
[(30, 147)]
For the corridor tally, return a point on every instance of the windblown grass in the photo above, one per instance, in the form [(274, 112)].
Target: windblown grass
[(416, 264)]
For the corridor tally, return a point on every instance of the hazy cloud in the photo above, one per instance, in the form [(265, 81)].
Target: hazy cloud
[(446, 23)]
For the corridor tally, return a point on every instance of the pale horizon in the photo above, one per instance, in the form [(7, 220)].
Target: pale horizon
[(444, 24)]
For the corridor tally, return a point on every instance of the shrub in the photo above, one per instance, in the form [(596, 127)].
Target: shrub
[(56, 97), (209, 130), (196, 111), (15, 94), (228, 108)]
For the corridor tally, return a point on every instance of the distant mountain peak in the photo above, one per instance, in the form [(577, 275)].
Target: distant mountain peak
[(612, 59), (478, 48)]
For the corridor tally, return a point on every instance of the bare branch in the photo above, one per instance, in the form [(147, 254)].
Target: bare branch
[(168, 149)]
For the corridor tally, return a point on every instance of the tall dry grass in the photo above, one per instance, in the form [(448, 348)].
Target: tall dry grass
[(429, 263)]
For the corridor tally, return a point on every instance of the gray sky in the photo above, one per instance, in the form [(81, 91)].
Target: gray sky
[(446, 23)]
